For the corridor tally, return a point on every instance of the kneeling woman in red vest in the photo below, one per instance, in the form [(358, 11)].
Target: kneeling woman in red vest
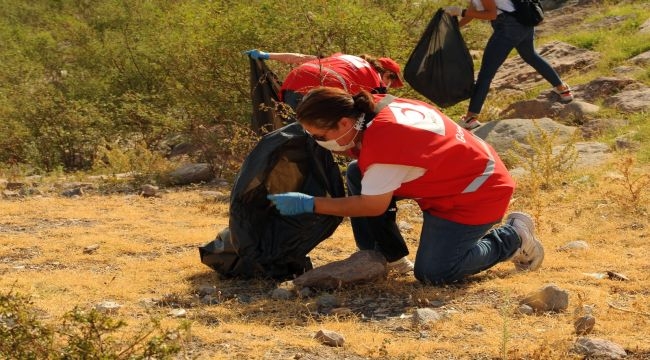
[(409, 149)]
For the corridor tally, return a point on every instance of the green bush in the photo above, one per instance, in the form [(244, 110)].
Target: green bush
[(81, 335), (81, 74)]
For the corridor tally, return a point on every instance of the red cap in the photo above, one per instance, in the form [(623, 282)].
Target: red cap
[(390, 65)]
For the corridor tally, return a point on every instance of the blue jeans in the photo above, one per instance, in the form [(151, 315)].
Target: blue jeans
[(448, 251), (508, 34)]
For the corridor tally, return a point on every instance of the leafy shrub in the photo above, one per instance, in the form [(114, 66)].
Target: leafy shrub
[(632, 186), (82, 335), (546, 164), (142, 164)]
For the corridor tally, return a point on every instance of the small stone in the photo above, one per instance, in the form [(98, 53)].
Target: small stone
[(76, 192), (178, 313), (426, 316), (616, 276), (330, 338), (149, 190), (108, 307), (525, 310), (584, 324), (328, 301), (148, 302), (575, 245), (281, 294), (91, 248), (596, 275), (548, 298), (436, 303)]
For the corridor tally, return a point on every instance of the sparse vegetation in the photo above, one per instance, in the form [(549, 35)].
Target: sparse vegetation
[(632, 190), (546, 164), (80, 335)]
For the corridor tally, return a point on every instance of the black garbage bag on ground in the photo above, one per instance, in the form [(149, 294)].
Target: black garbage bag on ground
[(259, 242), (268, 112), (441, 67)]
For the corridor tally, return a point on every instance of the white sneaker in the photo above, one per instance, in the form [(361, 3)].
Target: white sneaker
[(531, 253), (565, 94), (401, 266)]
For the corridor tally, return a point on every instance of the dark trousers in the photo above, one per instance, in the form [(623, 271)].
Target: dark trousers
[(376, 232)]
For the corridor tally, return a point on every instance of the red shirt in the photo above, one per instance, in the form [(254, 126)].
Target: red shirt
[(465, 181), (347, 72)]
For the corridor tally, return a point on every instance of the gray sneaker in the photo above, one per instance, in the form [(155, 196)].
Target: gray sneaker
[(531, 253), (401, 266)]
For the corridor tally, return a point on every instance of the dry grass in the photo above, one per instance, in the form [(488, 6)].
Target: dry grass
[(148, 249)]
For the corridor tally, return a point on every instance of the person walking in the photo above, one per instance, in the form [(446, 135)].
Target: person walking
[(349, 72), (409, 149), (507, 34)]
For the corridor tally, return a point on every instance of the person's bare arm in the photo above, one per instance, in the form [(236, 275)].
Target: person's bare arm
[(358, 205), (291, 58)]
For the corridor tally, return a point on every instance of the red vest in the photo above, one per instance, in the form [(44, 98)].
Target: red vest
[(465, 181), (347, 72)]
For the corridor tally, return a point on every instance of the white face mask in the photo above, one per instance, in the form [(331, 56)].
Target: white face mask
[(333, 145)]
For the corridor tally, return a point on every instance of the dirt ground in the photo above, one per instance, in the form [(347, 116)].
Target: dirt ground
[(142, 253)]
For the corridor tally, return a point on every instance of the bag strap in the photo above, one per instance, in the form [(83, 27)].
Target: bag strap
[(383, 103), (378, 107)]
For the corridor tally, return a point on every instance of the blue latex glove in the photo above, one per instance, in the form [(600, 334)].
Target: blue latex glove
[(292, 203), (256, 54)]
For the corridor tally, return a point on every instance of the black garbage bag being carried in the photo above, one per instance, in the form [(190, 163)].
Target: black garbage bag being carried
[(440, 67), (268, 112), (259, 242)]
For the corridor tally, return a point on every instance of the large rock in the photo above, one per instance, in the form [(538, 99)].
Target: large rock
[(645, 27), (363, 266), (191, 174), (630, 101), (591, 153), (642, 59), (601, 88), (502, 133), (573, 112)]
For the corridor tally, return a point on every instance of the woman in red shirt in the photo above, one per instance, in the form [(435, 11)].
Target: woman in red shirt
[(409, 149), (348, 72)]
